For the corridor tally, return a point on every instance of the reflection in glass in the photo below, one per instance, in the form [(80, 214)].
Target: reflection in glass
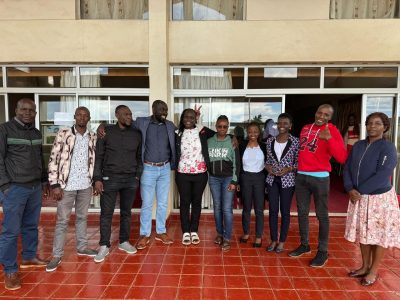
[(114, 77), (99, 109), (207, 10), (47, 77), (115, 9), (138, 105), (208, 78), (283, 78), (1, 76), (361, 77), (2, 109)]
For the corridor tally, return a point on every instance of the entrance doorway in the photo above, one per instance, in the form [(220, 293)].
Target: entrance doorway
[(303, 108)]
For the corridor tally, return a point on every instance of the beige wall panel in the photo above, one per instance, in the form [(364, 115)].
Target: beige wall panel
[(37, 9), (287, 9), (285, 41), (74, 41)]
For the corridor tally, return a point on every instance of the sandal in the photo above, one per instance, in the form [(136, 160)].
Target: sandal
[(218, 240), (369, 282), (195, 238), (226, 245), (186, 239), (244, 240)]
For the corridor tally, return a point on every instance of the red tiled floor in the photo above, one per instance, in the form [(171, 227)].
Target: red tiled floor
[(203, 271)]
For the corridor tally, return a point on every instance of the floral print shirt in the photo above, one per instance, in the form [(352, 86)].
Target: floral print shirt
[(191, 160)]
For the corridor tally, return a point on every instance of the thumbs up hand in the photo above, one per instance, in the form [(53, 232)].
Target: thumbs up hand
[(325, 134)]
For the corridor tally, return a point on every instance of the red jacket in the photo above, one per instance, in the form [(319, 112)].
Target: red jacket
[(315, 153)]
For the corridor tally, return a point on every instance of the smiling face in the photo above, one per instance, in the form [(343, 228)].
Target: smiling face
[(124, 116), (323, 115), (160, 112), (375, 128), (222, 127), (26, 111), (284, 125), (189, 119), (253, 133)]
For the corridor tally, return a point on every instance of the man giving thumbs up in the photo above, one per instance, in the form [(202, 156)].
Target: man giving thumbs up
[(319, 141)]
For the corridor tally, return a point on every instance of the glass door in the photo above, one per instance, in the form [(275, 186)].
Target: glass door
[(3, 109)]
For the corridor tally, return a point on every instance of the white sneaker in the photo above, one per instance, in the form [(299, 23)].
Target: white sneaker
[(103, 252), (127, 247)]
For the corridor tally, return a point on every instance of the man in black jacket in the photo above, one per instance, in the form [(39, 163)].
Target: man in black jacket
[(22, 173), (117, 168)]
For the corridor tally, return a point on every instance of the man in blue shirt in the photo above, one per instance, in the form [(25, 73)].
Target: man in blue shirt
[(159, 158)]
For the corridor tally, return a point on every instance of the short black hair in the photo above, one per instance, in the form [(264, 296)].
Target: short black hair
[(119, 107), (285, 116), (157, 103), (82, 108), (223, 118)]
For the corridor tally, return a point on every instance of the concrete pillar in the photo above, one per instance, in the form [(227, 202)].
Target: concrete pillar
[(159, 73)]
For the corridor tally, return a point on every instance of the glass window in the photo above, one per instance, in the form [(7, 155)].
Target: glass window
[(41, 77), (361, 77), (207, 10), (283, 78), (115, 9), (208, 78), (138, 105), (363, 9), (2, 109), (114, 77), (99, 108), (1, 76)]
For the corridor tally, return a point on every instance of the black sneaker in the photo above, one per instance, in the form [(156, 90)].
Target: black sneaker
[(319, 260), (299, 251)]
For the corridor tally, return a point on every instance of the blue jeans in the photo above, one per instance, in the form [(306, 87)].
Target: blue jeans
[(222, 198), (154, 180), (21, 211)]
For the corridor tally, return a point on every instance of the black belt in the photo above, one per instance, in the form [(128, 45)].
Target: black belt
[(157, 164)]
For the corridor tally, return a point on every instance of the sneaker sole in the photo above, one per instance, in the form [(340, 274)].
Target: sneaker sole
[(309, 252), (90, 255), (320, 265), (53, 269), (165, 243), (142, 247), (196, 242), (12, 289), (99, 261), (129, 252), (31, 266)]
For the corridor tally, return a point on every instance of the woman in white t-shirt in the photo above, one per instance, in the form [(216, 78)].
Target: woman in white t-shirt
[(282, 153)]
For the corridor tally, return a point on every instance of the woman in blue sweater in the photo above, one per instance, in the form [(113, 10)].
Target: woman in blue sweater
[(373, 216)]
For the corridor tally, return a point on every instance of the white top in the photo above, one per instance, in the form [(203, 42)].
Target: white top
[(279, 147), (78, 178), (253, 160)]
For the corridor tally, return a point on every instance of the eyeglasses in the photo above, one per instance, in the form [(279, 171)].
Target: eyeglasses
[(222, 126)]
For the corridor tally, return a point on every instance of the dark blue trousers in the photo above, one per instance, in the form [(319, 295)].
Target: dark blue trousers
[(21, 213)]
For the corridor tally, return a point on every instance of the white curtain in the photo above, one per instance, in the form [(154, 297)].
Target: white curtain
[(114, 9), (363, 9), (68, 79), (208, 9), (97, 106)]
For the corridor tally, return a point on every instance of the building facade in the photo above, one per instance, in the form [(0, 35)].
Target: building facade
[(249, 60)]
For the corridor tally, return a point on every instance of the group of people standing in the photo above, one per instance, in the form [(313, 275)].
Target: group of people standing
[(119, 156)]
